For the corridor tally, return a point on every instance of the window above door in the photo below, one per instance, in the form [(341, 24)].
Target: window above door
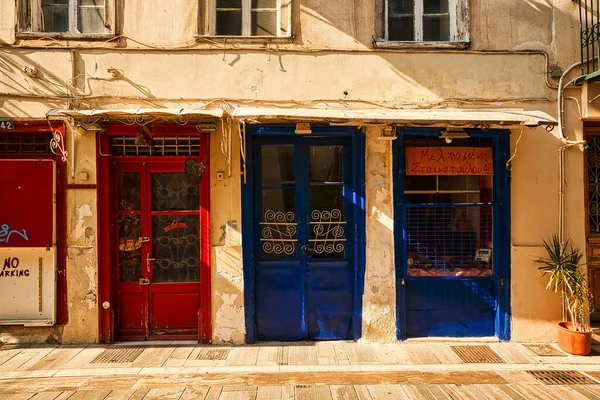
[(423, 23), (81, 19), (246, 19)]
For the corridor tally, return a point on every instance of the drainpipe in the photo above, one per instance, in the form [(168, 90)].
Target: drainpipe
[(566, 143)]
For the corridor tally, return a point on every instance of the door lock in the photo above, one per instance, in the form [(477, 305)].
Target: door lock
[(148, 261), (144, 281), (305, 249)]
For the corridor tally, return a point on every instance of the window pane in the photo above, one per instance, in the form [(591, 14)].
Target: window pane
[(449, 241), (55, 15), (277, 163), (176, 248), (279, 223), (229, 4), (417, 182), (401, 28), (174, 191), (326, 164), (130, 248), (459, 182), (436, 29), (264, 4), (435, 6), (129, 191), (400, 6), (96, 3), (90, 20), (264, 23), (229, 23), (327, 224)]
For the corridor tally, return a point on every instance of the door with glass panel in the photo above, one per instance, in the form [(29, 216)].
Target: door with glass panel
[(158, 253), (452, 229), (304, 237)]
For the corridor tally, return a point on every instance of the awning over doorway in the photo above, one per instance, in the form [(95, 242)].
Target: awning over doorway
[(409, 117), (137, 112)]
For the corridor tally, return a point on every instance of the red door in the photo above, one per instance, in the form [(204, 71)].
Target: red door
[(161, 215)]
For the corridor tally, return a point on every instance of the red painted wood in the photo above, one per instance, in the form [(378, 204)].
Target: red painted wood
[(205, 326), (28, 127), (173, 309), (27, 212), (106, 316)]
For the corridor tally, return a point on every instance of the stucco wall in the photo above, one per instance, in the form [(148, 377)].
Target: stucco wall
[(226, 223), (379, 299)]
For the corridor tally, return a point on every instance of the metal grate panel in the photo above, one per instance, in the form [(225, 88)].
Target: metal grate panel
[(213, 354), (545, 350), (562, 378), (160, 146), (120, 355), (444, 241), (477, 354)]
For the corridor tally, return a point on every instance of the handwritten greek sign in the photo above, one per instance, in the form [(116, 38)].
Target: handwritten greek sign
[(449, 161)]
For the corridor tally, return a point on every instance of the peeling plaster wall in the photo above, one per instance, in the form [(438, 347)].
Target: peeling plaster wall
[(82, 257), (379, 300), (227, 281)]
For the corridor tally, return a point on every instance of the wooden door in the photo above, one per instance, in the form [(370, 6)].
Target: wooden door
[(159, 257), (304, 222), (592, 198)]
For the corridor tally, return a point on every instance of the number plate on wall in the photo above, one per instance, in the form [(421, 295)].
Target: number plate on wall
[(6, 125)]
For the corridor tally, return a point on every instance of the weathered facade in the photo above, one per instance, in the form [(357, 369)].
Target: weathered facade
[(323, 85)]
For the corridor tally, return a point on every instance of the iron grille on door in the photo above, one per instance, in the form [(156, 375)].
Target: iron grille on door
[(160, 146)]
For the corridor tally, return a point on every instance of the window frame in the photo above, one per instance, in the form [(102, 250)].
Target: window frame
[(459, 23), (208, 22), (29, 17)]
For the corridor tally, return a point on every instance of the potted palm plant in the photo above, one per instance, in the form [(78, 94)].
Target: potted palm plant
[(562, 265)]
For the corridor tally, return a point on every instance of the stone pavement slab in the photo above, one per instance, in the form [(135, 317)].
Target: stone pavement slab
[(325, 370)]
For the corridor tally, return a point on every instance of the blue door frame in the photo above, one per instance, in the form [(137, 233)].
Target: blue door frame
[(455, 306), (310, 288)]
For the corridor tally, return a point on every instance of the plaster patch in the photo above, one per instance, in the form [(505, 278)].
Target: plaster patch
[(382, 218), (82, 212), (91, 297), (236, 280), (228, 319)]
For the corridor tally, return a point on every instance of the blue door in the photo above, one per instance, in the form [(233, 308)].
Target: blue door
[(452, 227), (304, 238)]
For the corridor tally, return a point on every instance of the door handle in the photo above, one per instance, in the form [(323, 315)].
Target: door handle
[(148, 261), (144, 281), (305, 249)]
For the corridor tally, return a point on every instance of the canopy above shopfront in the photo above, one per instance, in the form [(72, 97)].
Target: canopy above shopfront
[(410, 117), (136, 112)]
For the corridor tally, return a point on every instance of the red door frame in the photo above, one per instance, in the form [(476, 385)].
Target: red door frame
[(108, 276), (30, 127)]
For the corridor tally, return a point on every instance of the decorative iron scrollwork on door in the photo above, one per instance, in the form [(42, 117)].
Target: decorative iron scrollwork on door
[(279, 233), (328, 231), (593, 169)]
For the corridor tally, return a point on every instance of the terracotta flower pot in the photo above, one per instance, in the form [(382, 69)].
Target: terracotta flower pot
[(577, 343)]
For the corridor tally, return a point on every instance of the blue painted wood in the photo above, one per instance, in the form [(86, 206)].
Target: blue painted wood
[(450, 307), (456, 306), (304, 298), (280, 301), (329, 302)]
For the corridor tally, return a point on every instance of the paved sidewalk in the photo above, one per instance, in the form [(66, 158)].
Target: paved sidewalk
[(323, 370)]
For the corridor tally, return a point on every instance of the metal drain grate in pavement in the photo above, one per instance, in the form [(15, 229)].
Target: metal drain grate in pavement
[(545, 350), (562, 378), (477, 354), (213, 354), (120, 355)]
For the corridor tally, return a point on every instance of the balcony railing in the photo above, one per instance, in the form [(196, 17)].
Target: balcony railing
[(589, 21)]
